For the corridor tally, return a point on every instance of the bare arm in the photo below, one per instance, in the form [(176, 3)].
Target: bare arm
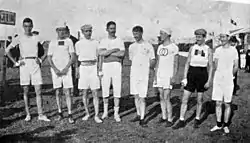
[(71, 61), (7, 51), (176, 65), (152, 63), (119, 54), (236, 66), (105, 52), (187, 63), (210, 64), (52, 63)]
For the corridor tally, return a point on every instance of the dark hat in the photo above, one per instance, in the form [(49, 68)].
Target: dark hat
[(200, 32)]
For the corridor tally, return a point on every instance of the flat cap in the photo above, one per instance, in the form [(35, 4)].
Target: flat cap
[(167, 30), (200, 32), (86, 27)]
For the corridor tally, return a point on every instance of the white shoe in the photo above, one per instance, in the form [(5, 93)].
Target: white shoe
[(226, 130), (104, 115), (215, 128), (117, 118), (43, 118), (28, 118), (97, 119), (86, 117)]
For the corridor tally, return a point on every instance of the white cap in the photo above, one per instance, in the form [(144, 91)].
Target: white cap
[(166, 30), (61, 25)]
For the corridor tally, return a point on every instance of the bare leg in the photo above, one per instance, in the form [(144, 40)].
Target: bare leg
[(39, 99), (199, 105), (185, 98), (59, 100), (25, 98), (168, 103), (227, 112), (137, 105), (163, 104), (85, 100), (68, 99), (142, 107)]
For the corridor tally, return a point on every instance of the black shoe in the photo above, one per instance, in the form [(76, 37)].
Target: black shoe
[(180, 124), (70, 118), (137, 118), (142, 123), (169, 124), (161, 120), (196, 123), (60, 117)]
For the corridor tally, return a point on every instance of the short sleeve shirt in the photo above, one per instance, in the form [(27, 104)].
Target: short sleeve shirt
[(226, 58), (28, 45), (166, 57), (140, 54), (87, 49), (110, 44), (60, 51)]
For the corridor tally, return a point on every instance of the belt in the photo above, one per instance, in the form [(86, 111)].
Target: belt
[(28, 57), (88, 63)]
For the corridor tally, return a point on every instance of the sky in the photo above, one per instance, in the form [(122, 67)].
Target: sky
[(183, 16)]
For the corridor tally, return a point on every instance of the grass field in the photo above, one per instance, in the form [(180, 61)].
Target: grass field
[(14, 129)]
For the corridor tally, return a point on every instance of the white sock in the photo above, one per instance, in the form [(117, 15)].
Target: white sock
[(116, 109), (181, 118)]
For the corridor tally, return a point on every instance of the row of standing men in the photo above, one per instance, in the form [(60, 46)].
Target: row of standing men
[(99, 64)]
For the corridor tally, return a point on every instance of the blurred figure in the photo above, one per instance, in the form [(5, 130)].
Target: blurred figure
[(74, 91), (197, 76), (247, 50), (235, 43), (87, 55), (61, 56), (29, 65), (165, 73), (142, 56), (226, 66), (111, 53)]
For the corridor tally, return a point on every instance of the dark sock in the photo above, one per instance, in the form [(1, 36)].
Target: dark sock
[(226, 124), (219, 124)]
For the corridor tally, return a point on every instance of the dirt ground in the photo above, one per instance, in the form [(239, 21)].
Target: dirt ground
[(14, 129)]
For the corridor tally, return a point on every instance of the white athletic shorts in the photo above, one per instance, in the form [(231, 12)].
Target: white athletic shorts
[(30, 73), (88, 78), (64, 81), (223, 89), (112, 72), (163, 80), (139, 82)]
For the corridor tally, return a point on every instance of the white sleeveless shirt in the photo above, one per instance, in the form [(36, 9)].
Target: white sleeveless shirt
[(199, 56)]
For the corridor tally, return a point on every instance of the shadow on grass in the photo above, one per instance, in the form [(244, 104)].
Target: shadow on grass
[(209, 108), (30, 136)]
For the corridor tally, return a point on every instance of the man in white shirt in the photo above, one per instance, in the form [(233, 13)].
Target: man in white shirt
[(166, 72), (87, 53), (141, 54), (30, 72), (61, 56), (226, 65), (112, 50)]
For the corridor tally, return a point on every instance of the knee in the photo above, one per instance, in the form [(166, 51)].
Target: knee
[(199, 101), (25, 89), (218, 103), (184, 100), (227, 105)]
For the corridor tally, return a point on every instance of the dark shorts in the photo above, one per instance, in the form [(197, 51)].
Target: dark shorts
[(196, 79)]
